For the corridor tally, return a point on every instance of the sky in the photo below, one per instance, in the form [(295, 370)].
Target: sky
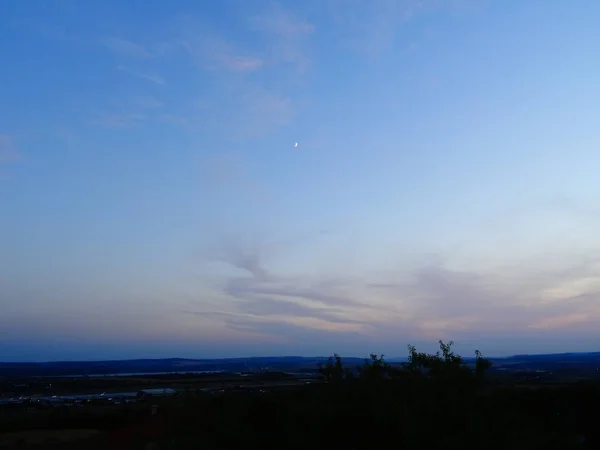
[(153, 203)]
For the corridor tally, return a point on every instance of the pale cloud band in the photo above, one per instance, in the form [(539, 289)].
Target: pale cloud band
[(427, 302)]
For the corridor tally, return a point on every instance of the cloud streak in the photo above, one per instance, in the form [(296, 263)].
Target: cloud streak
[(245, 105), (260, 112), (426, 302), (370, 26), (210, 51), (137, 110), (152, 77), (119, 120), (124, 47), (286, 35)]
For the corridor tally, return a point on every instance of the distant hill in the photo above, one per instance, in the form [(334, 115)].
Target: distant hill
[(558, 356), (181, 365), (254, 364)]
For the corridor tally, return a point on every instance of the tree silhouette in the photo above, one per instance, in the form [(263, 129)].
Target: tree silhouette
[(333, 371), (481, 365), (375, 368)]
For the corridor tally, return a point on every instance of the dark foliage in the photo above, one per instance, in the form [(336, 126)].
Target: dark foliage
[(434, 401)]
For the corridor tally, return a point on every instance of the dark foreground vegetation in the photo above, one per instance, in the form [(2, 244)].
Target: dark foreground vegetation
[(433, 401)]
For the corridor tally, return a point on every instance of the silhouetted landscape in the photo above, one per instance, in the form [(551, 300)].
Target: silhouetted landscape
[(440, 400), (577, 364), (161, 365)]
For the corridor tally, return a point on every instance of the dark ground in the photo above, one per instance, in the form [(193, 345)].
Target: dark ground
[(521, 403)]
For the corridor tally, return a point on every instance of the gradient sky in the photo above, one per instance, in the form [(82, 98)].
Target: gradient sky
[(446, 184)]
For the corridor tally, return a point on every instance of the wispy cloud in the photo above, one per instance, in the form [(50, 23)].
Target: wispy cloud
[(286, 35), (154, 78), (241, 63), (8, 150), (262, 296), (426, 302), (282, 23), (238, 63), (447, 300), (244, 106), (258, 112), (212, 52), (550, 323), (117, 120), (284, 42), (371, 26), (246, 111), (137, 110), (210, 49), (126, 48)]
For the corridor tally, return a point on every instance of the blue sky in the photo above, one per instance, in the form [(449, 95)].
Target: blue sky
[(445, 185)]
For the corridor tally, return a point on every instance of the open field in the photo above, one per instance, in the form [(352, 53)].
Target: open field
[(65, 386)]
